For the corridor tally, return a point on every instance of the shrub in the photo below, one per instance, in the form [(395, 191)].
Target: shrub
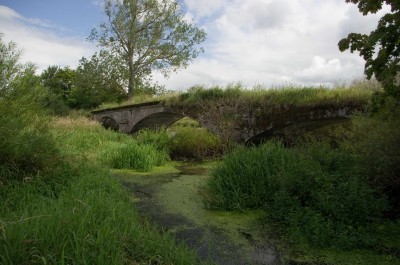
[(26, 144), (313, 191), (194, 144), (375, 141)]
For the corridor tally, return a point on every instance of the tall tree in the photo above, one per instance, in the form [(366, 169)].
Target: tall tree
[(59, 80), (9, 65), (98, 80), (149, 35), (381, 48)]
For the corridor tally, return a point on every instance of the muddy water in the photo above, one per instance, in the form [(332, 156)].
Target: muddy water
[(171, 197)]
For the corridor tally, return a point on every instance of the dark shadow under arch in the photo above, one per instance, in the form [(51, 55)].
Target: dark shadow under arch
[(309, 125), (156, 121), (109, 123)]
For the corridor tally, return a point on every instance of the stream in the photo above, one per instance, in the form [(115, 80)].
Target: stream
[(171, 196)]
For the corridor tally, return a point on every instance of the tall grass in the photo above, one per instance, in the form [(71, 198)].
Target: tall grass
[(77, 213), (315, 192), (184, 141), (87, 140), (132, 155), (91, 222), (26, 145), (358, 92), (189, 143)]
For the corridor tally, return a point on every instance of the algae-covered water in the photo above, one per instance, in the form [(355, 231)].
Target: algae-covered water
[(171, 197)]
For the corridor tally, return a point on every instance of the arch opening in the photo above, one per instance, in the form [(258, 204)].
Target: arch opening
[(110, 123), (293, 130), (157, 121)]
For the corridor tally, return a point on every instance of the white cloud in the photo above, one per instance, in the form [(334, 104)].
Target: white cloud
[(39, 42), (324, 71), (355, 22), (253, 41), (274, 41), (205, 8)]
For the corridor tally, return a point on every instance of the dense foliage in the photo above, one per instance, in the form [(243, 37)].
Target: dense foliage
[(98, 79), (381, 48), (58, 202), (26, 147), (326, 195)]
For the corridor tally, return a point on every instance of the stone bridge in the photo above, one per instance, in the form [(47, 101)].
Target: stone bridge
[(242, 123)]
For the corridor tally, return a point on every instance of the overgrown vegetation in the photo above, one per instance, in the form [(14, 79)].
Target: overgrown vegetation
[(80, 214), (111, 149), (58, 202), (357, 92), (184, 141), (340, 196)]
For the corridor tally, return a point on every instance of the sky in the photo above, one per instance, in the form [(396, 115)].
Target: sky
[(270, 43)]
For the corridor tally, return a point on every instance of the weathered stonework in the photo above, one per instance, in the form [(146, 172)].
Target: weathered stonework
[(231, 120)]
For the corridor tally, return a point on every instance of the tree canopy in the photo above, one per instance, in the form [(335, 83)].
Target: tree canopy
[(381, 48), (148, 35), (98, 79)]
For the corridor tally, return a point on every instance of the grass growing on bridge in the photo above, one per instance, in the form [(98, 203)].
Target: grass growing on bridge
[(357, 92)]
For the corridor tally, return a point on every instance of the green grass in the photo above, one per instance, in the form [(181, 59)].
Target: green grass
[(77, 213), (286, 95), (184, 141), (198, 144), (359, 91), (92, 221), (316, 197), (87, 140)]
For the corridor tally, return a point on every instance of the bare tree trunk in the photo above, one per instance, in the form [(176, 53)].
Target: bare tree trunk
[(132, 83)]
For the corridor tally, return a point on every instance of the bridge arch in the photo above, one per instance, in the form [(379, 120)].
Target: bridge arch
[(109, 123), (306, 125), (239, 123), (156, 121)]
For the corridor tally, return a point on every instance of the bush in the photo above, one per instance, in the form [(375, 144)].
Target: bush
[(376, 143), (26, 144), (194, 144), (313, 191)]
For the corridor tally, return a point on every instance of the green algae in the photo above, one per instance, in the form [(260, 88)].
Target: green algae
[(179, 192)]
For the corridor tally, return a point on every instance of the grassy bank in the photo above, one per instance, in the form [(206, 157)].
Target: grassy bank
[(76, 213)]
